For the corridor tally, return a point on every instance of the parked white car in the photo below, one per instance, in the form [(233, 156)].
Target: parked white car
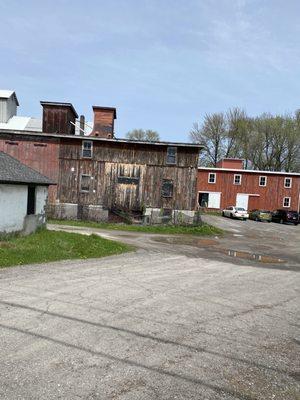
[(235, 212)]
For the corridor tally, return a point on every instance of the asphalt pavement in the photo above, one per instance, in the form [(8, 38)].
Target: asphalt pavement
[(173, 320)]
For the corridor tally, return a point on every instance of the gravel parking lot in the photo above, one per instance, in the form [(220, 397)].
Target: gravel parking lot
[(171, 321)]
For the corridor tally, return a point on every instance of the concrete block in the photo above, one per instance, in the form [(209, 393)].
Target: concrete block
[(32, 223)]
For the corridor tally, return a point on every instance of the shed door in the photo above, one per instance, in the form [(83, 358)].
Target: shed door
[(214, 200), (242, 200)]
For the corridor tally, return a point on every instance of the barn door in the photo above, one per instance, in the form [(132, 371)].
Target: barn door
[(214, 200), (128, 188), (242, 200)]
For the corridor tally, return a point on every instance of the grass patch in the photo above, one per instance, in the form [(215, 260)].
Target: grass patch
[(45, 246), (203, 230), (216, 213)]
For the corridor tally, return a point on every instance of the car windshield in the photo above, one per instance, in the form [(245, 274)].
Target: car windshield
[(240, 209)]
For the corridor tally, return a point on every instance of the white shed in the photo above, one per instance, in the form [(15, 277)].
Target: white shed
[(23, 196)]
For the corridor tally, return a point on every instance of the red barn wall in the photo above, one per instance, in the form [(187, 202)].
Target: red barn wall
[(39, 154), (270, 197)]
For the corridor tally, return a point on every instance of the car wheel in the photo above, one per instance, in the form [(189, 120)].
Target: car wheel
[(223, 214), (295, 223), (244, 219), (231, 215), (256, 219), (281, 221)]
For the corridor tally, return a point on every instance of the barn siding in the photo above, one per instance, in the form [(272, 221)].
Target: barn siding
[(270, 197), (38, 153), (123, 175)]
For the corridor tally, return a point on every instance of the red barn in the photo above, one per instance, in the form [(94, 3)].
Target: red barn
[(229, 184)]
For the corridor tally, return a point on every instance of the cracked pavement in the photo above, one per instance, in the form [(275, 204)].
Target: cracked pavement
[(169, 321)]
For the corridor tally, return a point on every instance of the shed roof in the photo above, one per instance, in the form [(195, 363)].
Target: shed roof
[(99, 139), (6, 94), (13, 171)]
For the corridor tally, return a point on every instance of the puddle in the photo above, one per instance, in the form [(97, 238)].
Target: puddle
[(186, 241), (210, 243), (252, 256), (128, 236)]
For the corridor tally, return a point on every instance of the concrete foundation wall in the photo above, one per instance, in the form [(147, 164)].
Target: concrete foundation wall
[(178, 217), (71, 211)]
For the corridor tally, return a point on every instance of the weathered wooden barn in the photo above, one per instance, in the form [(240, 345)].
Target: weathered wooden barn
[(98, 174), (229, 184)]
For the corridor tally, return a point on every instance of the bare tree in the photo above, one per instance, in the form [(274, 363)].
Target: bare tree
[(144, 135), (266, 142)]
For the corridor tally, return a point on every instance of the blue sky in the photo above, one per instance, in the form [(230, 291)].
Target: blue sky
[(162, 64)]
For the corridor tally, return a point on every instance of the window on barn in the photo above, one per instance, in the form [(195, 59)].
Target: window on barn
[(87, 149), (237, 179), (212, 177), (31, 200), (85, 183), (172, 155), (286, 202), (167, 188), (262, 181), (287, 182)]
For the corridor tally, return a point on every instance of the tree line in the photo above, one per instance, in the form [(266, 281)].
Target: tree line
[(267, 142)]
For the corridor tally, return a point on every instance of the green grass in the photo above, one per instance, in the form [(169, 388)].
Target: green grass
[(203, 230), (44, 246), (217, 213)]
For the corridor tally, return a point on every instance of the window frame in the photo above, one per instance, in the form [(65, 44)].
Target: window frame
[(215, 177), (289, 198), (162, 191), (174, 155), (83, 149), (290, 179), (259, 180), (240, 181), (82, 190)]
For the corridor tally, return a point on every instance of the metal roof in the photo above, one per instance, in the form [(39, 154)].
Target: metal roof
[(252, 171), (99, 139), (13, 171), (22, 124), (6, 94), (34, 124)]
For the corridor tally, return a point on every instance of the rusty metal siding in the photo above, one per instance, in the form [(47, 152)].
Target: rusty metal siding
[(269, 197)]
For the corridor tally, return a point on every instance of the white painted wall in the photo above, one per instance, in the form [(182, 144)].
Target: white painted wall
[(41, 194), (13, 207), (8, 108)]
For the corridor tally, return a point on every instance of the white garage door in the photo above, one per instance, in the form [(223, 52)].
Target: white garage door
[(242, 200), (214, 200)]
